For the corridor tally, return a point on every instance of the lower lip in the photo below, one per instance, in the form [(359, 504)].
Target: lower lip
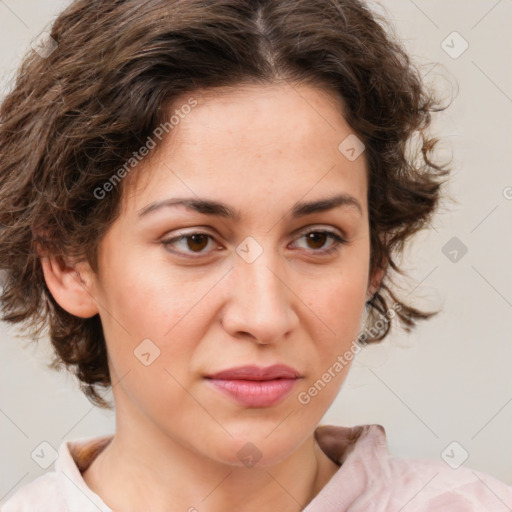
[(255, 393)]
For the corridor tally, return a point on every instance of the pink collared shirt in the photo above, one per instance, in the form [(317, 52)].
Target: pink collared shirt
[(368, 480)]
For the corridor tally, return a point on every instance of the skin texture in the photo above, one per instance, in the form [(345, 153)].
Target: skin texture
[(260, 149)]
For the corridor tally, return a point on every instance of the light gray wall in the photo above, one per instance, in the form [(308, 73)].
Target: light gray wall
[(448, 381)]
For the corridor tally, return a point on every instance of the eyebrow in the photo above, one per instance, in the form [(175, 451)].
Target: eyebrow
[(219, 209)]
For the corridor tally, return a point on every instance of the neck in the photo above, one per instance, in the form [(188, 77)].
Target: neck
[(153, 472)]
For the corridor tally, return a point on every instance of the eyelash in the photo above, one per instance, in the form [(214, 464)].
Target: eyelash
[(339, 241)]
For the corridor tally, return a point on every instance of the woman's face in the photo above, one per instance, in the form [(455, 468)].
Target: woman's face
[(252, 289)]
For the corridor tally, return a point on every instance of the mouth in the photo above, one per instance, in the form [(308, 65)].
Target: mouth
[(253, 386)]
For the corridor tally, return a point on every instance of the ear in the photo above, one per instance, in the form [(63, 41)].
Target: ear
[(375, 282), (70, 285)]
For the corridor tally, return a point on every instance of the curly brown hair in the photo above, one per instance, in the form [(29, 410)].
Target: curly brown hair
[(79, 111)]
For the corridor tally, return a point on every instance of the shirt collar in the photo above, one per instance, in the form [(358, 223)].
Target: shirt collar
[(361, 452)]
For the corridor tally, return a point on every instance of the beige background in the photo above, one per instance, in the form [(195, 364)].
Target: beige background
[(448, 381)]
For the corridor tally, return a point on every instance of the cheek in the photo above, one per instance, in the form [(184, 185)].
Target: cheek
[(342, 317), (339, 307), (142, 314), (150, 298), (340, 302)]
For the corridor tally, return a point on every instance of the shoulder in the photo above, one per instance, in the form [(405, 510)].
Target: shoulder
[(429, 485), (372, 480), (63, 490), (42, 494)]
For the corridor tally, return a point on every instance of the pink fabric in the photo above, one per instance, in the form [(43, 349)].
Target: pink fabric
[(369, 480)]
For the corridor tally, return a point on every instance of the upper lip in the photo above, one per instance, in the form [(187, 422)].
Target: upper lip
[(276, 371)]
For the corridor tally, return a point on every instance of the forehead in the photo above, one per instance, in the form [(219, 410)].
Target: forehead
[(254, 139), (259, 113)]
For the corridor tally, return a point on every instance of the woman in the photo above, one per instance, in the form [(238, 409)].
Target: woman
[(201, 200)]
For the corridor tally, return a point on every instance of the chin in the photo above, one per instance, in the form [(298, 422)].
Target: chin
[(257, 448)]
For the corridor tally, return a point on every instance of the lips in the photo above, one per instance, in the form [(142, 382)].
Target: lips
[(254, 386), (277, 371)]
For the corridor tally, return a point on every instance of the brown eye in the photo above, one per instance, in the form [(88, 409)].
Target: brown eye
[(197, 242), (316, 239), (192, 243)]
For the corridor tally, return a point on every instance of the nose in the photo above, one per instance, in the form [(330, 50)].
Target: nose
[(260, 300)]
